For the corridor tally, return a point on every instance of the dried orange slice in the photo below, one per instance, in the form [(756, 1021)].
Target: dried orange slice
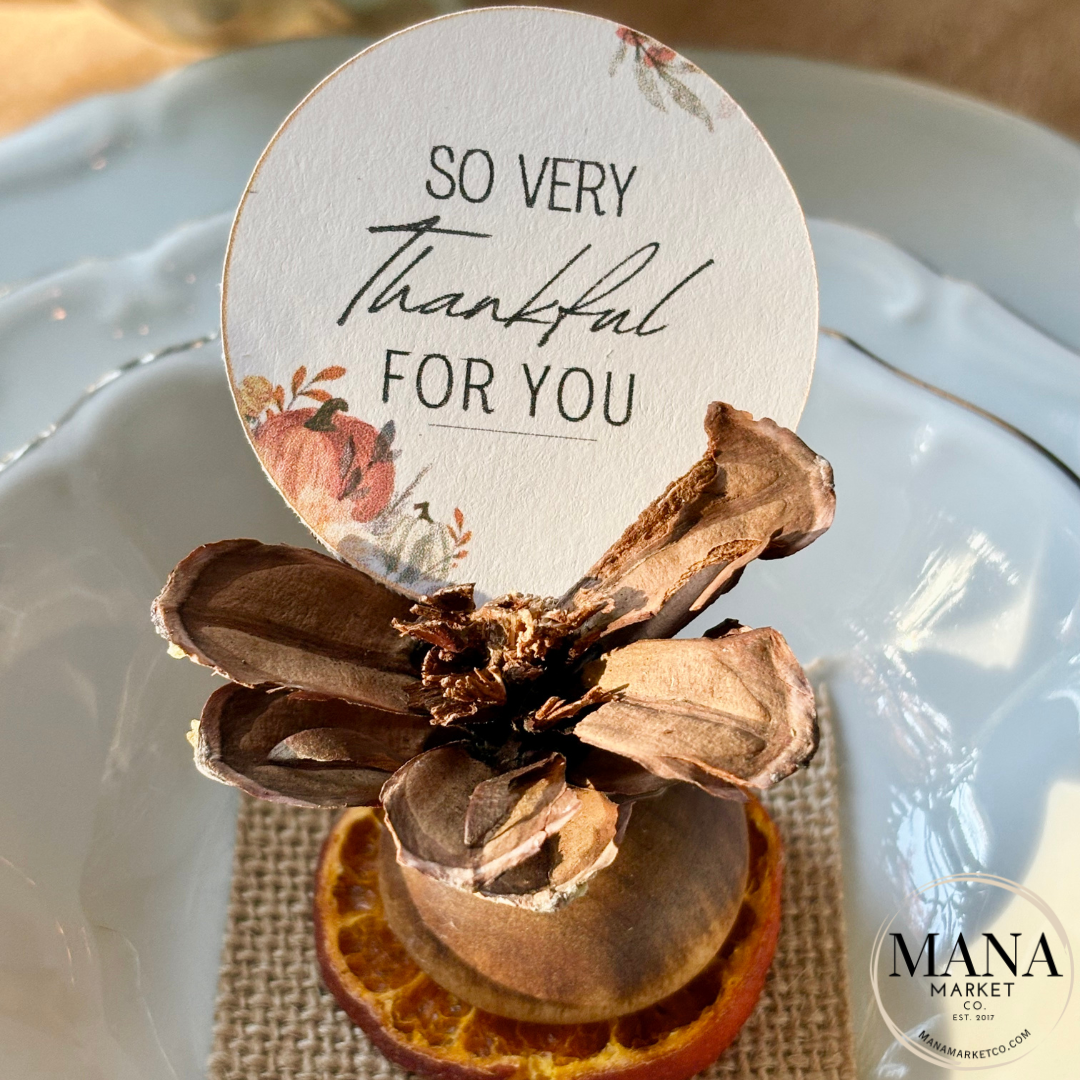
[(428, 1030)]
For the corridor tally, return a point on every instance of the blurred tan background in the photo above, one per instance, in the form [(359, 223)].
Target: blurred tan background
[(1021, 54)]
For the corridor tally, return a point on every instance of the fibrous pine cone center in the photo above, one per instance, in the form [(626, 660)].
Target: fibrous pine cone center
[(512, 659)]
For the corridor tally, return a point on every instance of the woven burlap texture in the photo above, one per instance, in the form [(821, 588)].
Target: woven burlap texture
[(275, 1021)]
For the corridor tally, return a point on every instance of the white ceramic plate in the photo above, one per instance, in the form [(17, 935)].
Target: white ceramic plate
[(65, 330), (942, 612), (944, 619), (950, 334), (114, 853)]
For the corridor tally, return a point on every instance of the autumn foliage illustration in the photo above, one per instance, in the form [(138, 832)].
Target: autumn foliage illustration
[(338, 472), (656, 69)]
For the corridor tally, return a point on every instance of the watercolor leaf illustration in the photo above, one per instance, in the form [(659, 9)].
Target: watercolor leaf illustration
[(655, 68)]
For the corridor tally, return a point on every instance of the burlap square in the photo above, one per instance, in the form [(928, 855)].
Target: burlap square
[(274, 1020)]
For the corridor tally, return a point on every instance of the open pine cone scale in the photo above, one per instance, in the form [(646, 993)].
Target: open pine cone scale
[(508, 742)]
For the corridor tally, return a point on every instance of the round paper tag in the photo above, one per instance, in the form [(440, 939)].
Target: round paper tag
[(485, 281)]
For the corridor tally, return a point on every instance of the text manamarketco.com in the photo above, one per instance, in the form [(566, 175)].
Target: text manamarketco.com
[(993, 1051)]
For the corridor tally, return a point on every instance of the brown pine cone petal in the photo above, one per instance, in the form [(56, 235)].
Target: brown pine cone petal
[(428, 803), (303, 749), (618, 777), (759, 492), (261, 613), (588, 843), (508, 798), (583, 847), (715, 712)]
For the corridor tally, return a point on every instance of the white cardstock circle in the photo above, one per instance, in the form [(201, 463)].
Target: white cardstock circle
[(484, 282)]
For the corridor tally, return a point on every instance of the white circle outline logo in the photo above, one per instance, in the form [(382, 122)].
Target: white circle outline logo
[(918, 1048)]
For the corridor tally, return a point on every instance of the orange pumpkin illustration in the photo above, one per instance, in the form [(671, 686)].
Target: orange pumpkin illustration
[(326, 462)]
